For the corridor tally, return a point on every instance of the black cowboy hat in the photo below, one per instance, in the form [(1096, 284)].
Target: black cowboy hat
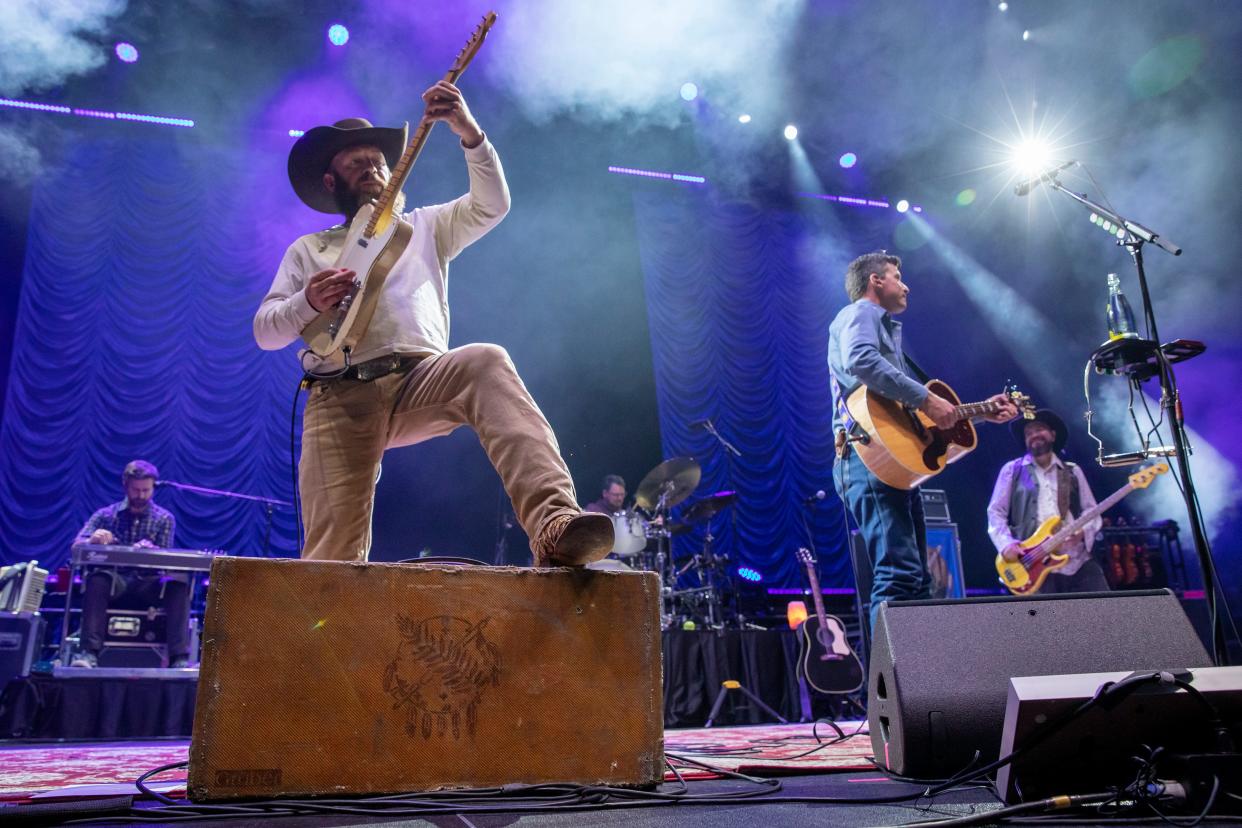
[(1045, 416), (314, 151)]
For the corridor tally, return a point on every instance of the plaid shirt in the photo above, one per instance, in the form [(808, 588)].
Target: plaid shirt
[(156, 525)]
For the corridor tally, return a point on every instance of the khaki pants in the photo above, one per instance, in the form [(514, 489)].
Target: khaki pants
[(348, 424)]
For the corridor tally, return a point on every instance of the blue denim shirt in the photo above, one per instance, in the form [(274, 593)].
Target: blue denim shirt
[(864, 348)]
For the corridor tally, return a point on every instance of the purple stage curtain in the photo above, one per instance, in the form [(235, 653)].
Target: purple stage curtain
[(133, 339)]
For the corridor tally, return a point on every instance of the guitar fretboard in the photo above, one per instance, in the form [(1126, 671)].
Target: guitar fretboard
[(972, 411)]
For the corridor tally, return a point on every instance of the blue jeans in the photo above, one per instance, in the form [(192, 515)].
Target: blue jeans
[(890, 522)]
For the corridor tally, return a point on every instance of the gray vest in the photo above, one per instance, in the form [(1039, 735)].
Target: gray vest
[(1024, 498)]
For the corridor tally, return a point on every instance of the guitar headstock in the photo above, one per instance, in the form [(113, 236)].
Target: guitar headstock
[(472, 46), (805, 557), (1026, 408), (1142, 478)]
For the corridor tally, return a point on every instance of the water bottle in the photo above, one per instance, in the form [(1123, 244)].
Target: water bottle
[(1120, 315)]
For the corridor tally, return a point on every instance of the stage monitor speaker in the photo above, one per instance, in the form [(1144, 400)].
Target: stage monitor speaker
[(940, 670), (1093, 752), (333, 678), (21, 638)]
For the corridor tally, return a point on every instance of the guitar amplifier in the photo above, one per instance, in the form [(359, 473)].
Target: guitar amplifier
[(321, 677), (935, 505)]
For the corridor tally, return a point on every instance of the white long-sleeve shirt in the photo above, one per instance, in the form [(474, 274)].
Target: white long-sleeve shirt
[(412, 316), (1079, 551)]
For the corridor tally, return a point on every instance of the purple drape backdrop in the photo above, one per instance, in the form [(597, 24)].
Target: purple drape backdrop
[(133, 340)]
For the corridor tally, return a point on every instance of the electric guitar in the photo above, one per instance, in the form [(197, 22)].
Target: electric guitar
[(1039, 552), (377, 237), (827, 661), (903, 447)]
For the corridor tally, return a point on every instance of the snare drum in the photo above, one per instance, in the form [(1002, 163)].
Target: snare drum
[(631, 533)]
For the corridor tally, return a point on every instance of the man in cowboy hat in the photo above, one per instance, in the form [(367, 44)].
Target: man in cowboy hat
[(404, 384), (1037, 486)]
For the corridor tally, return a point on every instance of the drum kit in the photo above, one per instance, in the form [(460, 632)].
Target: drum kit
[(643, 536)]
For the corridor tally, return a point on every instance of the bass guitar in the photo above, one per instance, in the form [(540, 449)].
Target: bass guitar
[(377, 237), (903, 447), (1039, 552), (827, 661)]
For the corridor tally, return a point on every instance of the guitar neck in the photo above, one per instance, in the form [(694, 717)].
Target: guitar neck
[(976, 410), (813, 577), (1090, 515), (401, 171)]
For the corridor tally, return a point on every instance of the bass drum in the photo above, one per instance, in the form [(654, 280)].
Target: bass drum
[(631, 534)]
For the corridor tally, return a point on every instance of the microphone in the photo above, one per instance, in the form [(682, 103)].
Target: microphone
[(1026, 186), (162, 483), (819, 495), (701, 423)]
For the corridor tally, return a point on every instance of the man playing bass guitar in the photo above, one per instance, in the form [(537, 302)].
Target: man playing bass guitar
[(864, 348)]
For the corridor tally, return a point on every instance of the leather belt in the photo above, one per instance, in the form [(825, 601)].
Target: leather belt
[(382, 366)]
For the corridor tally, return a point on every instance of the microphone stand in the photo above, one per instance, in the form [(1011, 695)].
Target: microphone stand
[(1136, 236), (269, 505), (731, 452)]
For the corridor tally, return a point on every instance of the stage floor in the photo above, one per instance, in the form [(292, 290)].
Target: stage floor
[(793, 774)]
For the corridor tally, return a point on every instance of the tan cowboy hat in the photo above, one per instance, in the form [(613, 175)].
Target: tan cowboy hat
[(314, 151)]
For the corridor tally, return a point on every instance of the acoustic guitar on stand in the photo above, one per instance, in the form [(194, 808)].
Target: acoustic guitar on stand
[(1039, 552), (377, 238), (903, 447), (826, 660)]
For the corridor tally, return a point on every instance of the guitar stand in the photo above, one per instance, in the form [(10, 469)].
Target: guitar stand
[(730, 684)]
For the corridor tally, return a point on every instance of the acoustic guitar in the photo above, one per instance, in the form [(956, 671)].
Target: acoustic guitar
[(377, 237), (903, 447), (826, 659), (1039, 552)]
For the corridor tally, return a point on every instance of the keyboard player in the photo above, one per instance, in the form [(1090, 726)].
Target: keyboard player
[(135, 521)]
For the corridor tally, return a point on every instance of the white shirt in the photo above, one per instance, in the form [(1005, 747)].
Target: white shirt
[(412, 316), (1046, 507)]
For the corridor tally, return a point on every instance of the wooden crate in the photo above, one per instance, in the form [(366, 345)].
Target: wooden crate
[(339, 678)]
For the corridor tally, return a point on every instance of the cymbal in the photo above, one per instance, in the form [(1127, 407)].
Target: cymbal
[(675, 478), (708, 506)]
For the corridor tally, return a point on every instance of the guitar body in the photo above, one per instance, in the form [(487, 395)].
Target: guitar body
[(826, 660), (1026, 579), (342, 325), (906, 448)]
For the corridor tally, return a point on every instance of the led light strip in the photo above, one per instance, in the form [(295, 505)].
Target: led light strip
[(698, 179), (96, 113)]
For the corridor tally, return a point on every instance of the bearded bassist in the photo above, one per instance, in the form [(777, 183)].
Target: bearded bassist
[(1040, 485)]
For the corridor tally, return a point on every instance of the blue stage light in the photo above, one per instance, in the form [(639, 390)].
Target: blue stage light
[(752, 575), (902, 206), (127, 52), (791, 132), (848, 160), (338, 35), (689, 91)]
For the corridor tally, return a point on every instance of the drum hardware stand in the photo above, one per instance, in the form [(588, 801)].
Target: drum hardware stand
[(731, 684), (1159, 363)]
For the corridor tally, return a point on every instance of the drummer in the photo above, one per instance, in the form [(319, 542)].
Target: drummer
[(611, 497)]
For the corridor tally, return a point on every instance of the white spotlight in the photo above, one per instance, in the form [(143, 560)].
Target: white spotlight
[(1002, 5), (743, 119), (1032, 158), (1026, 34), (791, 132), (902, 206)]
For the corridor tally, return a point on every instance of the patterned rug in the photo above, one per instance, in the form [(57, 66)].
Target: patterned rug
[(88, 770)]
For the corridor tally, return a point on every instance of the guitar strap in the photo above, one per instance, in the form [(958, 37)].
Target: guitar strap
[(919, 373)]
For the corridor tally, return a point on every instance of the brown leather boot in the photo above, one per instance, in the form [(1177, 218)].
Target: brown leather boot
[(574, 540)]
